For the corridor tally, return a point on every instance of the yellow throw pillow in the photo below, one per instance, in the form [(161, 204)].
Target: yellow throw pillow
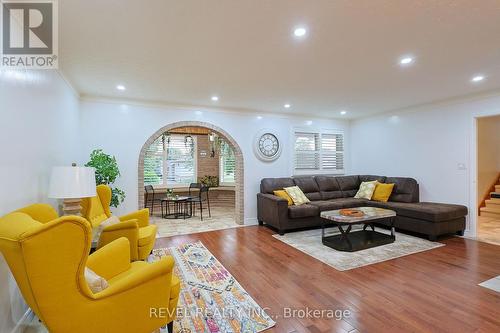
[(298, 197), (366, 190), (382, 192), (284, 195)]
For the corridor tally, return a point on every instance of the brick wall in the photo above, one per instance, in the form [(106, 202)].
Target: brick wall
[(206, 165), (239, 188)]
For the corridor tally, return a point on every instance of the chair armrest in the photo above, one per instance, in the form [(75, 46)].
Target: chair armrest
[(123, 225), (142, 217), (138, 278), (42, 213), (112, 259), (128, 229), (272, 210)]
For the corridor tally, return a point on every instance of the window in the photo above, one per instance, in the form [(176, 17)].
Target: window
[(319, 152), (227, 164), (153, 163), (171, 161)]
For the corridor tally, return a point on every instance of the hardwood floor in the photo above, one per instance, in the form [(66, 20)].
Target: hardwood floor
[(433, 291)]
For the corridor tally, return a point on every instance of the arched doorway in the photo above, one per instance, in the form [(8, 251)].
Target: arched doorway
[(239, 176)]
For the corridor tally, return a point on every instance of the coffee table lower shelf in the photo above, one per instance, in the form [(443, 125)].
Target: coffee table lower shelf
[(357, 240)]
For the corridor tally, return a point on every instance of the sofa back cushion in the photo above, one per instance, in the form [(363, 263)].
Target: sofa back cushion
[(370, 178), (405, 189), (309, 186), (328, 187), (349, 185), (269, 185)]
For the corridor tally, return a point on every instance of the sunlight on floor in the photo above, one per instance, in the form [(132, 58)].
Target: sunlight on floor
[(222, 218), (488, 230)]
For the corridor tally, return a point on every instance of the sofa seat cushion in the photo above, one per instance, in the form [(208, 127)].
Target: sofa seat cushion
[(428, 211), (334, 204), (306, 210)]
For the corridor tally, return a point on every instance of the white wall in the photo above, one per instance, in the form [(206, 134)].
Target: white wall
[(121, 130), (488, 154), (38, 129), (434, 144)]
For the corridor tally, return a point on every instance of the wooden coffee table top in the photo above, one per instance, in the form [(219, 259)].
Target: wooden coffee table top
[(371, 213)]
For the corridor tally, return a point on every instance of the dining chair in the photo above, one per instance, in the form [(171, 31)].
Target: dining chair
[(151, 198), (201, 197)]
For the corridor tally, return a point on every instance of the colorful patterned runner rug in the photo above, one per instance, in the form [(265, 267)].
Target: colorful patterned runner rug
[(211, 299)]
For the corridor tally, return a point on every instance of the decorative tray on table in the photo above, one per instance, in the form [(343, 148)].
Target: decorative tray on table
[(352, 212)]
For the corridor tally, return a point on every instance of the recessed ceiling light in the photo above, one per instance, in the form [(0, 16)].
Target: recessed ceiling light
[(198, 113), (300, 32), (478, 78), (309, 122), (215, 98), (343, 112), (287, 106), (259, 117), (406, 60), (121, 87)]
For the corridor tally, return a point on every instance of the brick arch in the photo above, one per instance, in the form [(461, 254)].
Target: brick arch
[(239, 175)]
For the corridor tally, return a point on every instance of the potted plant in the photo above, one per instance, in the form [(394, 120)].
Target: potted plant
[(106, 172)]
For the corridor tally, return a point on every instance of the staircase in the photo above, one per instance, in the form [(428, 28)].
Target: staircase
[(492, 205)]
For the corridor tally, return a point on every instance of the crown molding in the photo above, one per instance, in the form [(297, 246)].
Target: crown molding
[(188, 107), (68, 83)]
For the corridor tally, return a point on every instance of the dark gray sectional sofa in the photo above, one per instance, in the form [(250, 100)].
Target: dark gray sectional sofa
[(329, 193)]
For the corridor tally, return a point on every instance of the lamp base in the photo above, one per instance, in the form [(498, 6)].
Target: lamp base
[(72, 207)]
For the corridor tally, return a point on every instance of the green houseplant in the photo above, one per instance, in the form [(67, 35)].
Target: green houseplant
[(106, 172), (210, 181)]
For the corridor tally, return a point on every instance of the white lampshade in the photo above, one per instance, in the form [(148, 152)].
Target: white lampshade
[(72, 182)]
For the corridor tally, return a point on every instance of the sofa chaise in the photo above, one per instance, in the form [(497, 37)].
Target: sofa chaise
[(330, 193)]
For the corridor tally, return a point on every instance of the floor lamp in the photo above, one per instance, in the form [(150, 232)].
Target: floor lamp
[(72, 183)]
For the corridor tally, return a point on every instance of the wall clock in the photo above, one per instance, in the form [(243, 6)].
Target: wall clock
[(267, 145)]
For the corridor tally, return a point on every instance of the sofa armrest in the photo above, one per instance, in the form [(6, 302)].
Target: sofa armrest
[(272, 210)]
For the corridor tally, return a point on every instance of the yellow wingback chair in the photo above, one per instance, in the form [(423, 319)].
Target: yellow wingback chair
[(48, 258), (135, 226)]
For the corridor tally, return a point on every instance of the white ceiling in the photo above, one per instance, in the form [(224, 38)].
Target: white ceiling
[(185, 51)]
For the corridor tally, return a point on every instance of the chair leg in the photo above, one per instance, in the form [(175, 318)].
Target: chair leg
[(208, 202), (170, 327), (201, 210)]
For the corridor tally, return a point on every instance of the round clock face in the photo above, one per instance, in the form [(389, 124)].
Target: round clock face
[(268, 145)]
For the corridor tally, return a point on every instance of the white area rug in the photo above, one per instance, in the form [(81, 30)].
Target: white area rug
[(309, 242), (493, 284), (222, 218)]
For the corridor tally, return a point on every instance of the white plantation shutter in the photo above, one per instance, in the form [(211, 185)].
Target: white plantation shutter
[(153, 163), (227, 166), (322, 151), (180, 161), (332, 151), (307, 151)]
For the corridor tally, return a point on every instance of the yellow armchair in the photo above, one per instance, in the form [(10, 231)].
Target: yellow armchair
[(48, 259), (135, 226)]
